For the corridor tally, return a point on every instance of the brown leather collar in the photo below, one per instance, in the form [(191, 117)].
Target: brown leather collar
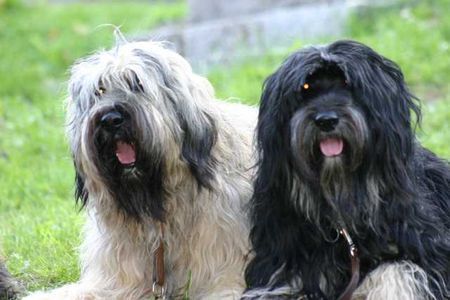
[(159, 278), (354, 258)]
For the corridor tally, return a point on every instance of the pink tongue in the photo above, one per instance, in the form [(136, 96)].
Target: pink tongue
[(125, 153), (331, 146)]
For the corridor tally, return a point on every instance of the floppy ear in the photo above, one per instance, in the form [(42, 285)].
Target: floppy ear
[(389, 107), (196, 150), (272, 133), (189, 95), (272, 188), (81, 194), (200, 134)]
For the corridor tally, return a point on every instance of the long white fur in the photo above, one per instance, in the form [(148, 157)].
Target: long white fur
[(393, 281), (206, 231), (401, 280)]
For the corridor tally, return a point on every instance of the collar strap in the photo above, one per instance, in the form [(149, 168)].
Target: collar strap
[(354, 258), (159, 278)]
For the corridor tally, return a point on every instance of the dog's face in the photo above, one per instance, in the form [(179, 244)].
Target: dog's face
[(135, 120), (335, 124), (328, 130)]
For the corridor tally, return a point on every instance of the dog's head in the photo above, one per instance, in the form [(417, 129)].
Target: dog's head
[(328, 130), (335, 117), (138, 119)]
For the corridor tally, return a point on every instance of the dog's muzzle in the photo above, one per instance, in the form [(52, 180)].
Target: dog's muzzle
[(112, 120), (113, 123), (326, 121)]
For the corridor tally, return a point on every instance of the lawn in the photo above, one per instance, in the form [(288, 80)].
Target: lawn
[(416, 36), (39, 222)]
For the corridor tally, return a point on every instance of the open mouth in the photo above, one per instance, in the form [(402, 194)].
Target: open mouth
[(331, 146), (125, 153)]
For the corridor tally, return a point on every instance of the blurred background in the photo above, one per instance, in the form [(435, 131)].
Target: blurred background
[(235, 43)]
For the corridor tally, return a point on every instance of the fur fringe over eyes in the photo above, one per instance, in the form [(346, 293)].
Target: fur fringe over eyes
[(389, 192), (155, 98), (158, 158)]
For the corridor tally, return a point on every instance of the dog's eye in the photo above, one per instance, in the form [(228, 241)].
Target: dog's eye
[(305, 87), (139, 87), (100, 91), (135, 84)]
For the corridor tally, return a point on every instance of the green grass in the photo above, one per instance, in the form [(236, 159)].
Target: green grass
[(417, 37), (39, 223), (415, 34)]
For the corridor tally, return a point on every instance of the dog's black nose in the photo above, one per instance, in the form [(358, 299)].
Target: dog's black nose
[(326, 121), (112, 119)]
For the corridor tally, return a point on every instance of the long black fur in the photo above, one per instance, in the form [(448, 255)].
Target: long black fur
[(196, 151), (408, 218), (137, 190)]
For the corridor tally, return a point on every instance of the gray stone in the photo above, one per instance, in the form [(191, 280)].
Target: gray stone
[(202, 10), (226, 39)]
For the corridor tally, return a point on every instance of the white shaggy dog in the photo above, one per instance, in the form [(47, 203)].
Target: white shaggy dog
[(158, 159)]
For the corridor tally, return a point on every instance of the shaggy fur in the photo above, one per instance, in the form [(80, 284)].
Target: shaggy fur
[(191, 172), (9, 288), (337, 149)]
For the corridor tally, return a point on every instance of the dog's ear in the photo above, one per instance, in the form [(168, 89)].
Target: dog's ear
[(272, 188), (272, 134), (200, 134), (81, 194), (196, 150), (389, 108)]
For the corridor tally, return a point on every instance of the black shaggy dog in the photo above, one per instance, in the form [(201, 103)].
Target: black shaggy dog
[(8, 286), (340, 169)]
